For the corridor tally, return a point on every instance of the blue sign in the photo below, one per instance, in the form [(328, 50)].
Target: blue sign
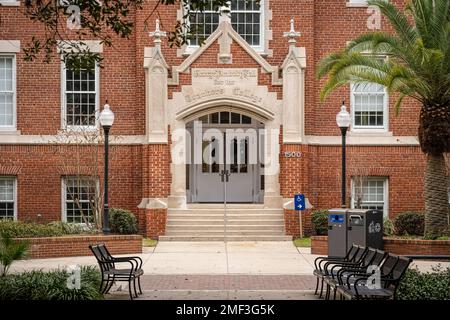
[(299, 202)]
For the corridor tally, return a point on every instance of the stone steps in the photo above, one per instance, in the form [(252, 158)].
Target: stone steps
[(207, 223), (228, 238)]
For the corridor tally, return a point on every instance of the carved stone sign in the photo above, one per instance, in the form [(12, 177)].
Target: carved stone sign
[(224, 76)]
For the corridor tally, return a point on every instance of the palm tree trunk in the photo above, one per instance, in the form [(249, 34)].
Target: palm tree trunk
[(436, 196)]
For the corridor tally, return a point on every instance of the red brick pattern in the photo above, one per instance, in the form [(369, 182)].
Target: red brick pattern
[(144, 171), (155, 222), (291, 223), (70, 246), (319, 245)]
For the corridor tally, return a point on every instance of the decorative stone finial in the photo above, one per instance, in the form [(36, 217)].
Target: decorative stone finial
[(292, 35), (225, 12), (157, 34)]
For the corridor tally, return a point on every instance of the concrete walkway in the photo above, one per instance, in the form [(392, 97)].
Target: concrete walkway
[(216, 270)]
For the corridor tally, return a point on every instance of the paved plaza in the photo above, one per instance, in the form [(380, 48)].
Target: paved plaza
[(216, 270)]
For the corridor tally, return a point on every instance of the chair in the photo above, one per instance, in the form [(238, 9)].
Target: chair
[(354, 254), (339, 273), (110, 273), (356, 288)]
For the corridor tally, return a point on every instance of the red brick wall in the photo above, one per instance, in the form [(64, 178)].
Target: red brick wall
[(54, 247), (291, 223), (144, 171), (155, 222)]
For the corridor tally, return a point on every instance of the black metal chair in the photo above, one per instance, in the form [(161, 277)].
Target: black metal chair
[(110, 273), (354, 254), (356, 288), (339, 272)]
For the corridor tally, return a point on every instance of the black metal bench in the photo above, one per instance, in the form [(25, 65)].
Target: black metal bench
[(392, 272), (339, 272), (110, 273), (354, 255)]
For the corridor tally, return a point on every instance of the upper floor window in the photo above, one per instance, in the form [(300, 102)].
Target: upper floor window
[(80, 97), (79, 199), (7, 92), (246, 18), (369, 105), (8, 198)]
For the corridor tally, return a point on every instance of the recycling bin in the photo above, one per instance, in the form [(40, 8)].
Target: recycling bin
[(365, 228), (337, 233)]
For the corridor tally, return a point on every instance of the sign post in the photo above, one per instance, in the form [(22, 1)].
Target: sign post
[(300, 205)]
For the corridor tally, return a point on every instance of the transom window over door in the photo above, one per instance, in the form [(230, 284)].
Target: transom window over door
[(246, 18), (80, 97), (369, 106), (7, 92)]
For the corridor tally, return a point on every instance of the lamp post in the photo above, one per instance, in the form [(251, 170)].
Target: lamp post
[(106, 121), (343, 121)]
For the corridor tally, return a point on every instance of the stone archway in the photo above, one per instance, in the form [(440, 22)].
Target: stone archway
[(190, 111)]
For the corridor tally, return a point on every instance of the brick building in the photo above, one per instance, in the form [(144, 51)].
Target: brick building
[(249, 90)]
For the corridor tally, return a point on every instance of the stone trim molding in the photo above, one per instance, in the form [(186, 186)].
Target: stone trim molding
[(225, 29), (363, 140), (186, 50), (9, 3), (9, 46), (95, 46), (153, 203), (7, 139)]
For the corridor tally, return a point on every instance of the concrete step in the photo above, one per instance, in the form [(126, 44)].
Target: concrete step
[(221, 206), (221, 211), (228, 238), (241, 232), (221, 228), (220, 222), (230, 217)]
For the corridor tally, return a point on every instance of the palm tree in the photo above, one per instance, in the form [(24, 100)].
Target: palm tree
[(416, 65), (10, 251)]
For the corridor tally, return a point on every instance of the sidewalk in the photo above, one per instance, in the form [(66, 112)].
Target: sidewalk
[(216, 270)]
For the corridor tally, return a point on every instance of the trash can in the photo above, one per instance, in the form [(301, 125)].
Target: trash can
[(337, 232), (365, 228)]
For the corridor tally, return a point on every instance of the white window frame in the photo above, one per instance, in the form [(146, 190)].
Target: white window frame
[(385, 193), (368, 129), (64, 100), (12, 127), (14, 179), (64, 195), (262, 20)]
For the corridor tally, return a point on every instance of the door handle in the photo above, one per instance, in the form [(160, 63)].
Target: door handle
[(224, 175)]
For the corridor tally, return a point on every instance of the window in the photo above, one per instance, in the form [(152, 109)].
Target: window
[(225, 118), (8, 198), (79, 197), (370, 193), (7, 92), (246, 18), (80, 97), (369, 106)]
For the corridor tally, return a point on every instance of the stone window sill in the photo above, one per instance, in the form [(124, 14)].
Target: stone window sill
[(9, 3), (361, 4)]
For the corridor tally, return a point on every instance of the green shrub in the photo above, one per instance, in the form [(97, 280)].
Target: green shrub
[(11, 250), (388, 227), (319, 220), (123, 222), (18, 229), (409, 223), (416, 285), (40, 285)]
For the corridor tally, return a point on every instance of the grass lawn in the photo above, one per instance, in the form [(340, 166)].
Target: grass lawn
[(149, 242), (302, 242)]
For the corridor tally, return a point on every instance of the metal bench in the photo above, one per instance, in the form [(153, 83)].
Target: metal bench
[(354, 254), (340, 272), (110, 273), (356, 288)]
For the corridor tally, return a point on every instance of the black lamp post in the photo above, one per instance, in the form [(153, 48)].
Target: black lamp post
[(343, 121), (106, 121)]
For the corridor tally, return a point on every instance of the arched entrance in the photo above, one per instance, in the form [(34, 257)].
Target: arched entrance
[(225, 140)]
